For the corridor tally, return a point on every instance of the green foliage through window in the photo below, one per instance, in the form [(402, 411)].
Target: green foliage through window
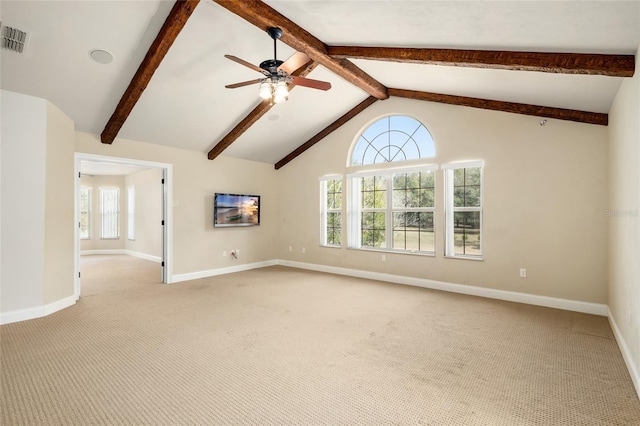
[(464, 219), (405, 221), (332, 212)]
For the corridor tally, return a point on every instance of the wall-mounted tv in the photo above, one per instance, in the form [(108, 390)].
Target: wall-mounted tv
[(236, 210)]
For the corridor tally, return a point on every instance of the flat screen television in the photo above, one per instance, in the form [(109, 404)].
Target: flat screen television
[(236, 210)]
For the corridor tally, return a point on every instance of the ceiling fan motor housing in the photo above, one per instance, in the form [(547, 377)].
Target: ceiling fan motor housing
[(271, 65)]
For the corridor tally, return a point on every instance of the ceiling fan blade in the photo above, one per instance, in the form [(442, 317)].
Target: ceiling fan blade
[(308, 82), (246, 64), (296, 61), (242, 84)]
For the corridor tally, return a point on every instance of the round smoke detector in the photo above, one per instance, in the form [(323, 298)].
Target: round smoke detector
[(101, 56)]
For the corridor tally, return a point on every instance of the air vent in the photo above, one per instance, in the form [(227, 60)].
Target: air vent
[(13, 39)]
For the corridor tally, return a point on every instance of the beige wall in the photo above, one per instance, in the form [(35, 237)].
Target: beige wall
[(37, 205), (148, 212), (197, 246), (545, 193), (24, 132), (95, 242), (59, 215), (624, 219)]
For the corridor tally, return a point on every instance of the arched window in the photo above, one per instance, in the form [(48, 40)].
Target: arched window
[(393, 138)]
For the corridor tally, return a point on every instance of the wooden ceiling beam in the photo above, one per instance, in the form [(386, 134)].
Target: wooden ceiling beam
[(261, 109), (172, 26), (263, 16), (567, 63), (327, 130), (516, 108)]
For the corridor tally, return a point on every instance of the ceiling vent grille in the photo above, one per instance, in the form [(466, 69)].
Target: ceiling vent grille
[(13, 39)]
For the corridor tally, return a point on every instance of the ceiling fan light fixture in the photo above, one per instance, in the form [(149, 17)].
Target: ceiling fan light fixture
[(265, 89), (281, 92)]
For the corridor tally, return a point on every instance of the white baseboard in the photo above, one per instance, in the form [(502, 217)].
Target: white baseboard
[(138, 254), (92, 252), (626, 354), (36, 312), (511, 296), (145, 256), (221, 271)]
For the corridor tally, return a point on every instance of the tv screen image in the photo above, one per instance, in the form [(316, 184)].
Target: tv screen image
[(236, 210)]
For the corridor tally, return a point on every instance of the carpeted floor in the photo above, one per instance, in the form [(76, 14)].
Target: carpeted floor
[(281, 346)]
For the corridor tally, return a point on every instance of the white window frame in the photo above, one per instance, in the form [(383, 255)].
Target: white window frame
[(450, 209), (131, 212), (89, 195), (354, 209), (103, 213), (426, 147), (324, 210)]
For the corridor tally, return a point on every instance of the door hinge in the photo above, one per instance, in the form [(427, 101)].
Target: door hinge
[(79, 174), (163, 264), (78, 274), (163, 223), (163, 181)]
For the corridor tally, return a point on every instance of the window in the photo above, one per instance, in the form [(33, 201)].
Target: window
[(110, 212), (85, 213), (413, 209), (393, 138), (393, 210), (131, 212), (463, 209), (331, 211)]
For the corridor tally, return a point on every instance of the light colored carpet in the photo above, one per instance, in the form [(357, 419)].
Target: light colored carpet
[(281, 346)]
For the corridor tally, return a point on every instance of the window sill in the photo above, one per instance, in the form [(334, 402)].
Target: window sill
[(402, 252), (328, 246), (116, 238), (476, 258)]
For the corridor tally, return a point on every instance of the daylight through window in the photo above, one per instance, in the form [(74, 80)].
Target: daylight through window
[(110, 212), (331, 212), (85, 213), (393, 138), (463, 209), (395, 210)]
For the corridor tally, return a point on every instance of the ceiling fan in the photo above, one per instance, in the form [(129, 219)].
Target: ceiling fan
[(278, 74)]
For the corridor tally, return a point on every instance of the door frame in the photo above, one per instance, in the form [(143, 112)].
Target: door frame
[(167, 214)]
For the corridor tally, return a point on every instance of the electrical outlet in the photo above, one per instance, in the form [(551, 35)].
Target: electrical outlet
[(384, 258), (290, 248), (523, 273), (629, 317), (224, 253), (237, 253), (304, 250)]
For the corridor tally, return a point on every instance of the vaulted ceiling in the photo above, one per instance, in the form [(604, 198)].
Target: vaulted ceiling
[(165, 85)]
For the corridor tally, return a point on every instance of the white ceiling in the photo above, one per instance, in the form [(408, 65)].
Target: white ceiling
[(187, 106)]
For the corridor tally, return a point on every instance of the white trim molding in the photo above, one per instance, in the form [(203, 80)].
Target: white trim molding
[(138, 254), (511, 296), (626, 354), (36, 312), (221, 271)]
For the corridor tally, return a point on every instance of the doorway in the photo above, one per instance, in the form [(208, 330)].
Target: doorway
[(122, 175)]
